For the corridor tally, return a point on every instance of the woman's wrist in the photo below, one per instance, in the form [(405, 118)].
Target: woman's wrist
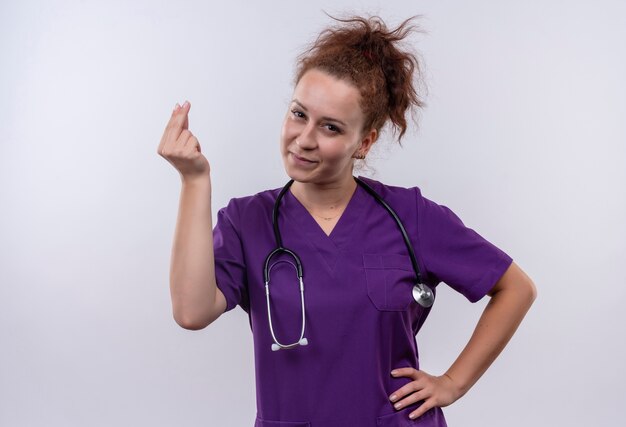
[(203, 180), (459, 386)]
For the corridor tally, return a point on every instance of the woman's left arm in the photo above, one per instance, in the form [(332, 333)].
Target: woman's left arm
[(511, 297)]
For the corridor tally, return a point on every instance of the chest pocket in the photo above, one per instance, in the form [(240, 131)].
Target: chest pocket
[(390, 279)]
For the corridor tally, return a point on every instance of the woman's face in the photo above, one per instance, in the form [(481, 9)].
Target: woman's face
[(322, 129)]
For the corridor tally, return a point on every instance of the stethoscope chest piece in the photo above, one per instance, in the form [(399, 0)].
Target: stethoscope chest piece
[(423, 295)]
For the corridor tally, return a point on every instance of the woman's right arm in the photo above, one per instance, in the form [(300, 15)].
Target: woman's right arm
[(196, 299)]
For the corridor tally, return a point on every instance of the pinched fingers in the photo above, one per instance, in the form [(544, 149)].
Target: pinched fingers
[(178, 122), (181, 148)]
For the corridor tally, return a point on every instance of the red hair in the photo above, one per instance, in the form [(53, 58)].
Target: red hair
[(367, 54)]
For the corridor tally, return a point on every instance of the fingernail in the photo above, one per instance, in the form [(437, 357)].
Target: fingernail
[(397, 405), (394, 372), (411, 416), (176, 107), (393, 397), (186, 104)]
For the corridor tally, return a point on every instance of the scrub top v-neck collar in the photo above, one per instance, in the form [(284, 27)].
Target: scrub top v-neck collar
[(328, 246)]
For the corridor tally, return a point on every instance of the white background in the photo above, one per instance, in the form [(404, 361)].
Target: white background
[(524, 137)]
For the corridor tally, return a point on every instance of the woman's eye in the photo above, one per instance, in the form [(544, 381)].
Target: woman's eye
[(298, 114), (333, 128)]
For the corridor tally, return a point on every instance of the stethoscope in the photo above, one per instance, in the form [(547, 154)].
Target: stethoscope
[(421, 293)]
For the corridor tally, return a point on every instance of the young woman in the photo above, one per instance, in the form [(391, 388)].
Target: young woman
[(338, 273)]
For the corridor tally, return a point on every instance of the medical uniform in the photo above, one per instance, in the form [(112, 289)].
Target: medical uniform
[(361, 319)]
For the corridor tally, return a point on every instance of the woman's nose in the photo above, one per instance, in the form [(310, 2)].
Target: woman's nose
[(306, 139)]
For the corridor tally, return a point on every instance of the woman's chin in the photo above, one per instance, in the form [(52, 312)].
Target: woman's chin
[(297, 174)]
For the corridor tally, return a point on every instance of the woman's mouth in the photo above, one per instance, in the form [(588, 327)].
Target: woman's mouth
[(302, 161)]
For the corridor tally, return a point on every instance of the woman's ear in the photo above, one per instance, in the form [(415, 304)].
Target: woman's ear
[(368, 140)]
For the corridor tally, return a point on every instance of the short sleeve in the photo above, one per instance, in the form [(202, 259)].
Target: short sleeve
[(456, 254), (230, 267)]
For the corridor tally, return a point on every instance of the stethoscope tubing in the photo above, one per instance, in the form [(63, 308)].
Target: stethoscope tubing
[(405, 236), (421, 293)]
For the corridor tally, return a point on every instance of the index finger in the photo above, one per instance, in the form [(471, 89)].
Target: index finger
[(404, 372)]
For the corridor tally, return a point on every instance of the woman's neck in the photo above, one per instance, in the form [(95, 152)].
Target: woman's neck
[(321, 197)]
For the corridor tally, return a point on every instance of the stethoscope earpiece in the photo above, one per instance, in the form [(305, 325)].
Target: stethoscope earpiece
[(303, 341)]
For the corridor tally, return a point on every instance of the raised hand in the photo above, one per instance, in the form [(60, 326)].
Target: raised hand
[(181, 148)]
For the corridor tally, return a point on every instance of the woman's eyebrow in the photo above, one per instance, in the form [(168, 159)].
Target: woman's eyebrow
[(326, 118)]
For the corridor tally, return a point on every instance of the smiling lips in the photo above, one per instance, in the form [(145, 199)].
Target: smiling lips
[(302, 159)]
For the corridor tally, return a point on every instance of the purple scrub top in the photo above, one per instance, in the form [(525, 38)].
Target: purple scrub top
[(361, 319)]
